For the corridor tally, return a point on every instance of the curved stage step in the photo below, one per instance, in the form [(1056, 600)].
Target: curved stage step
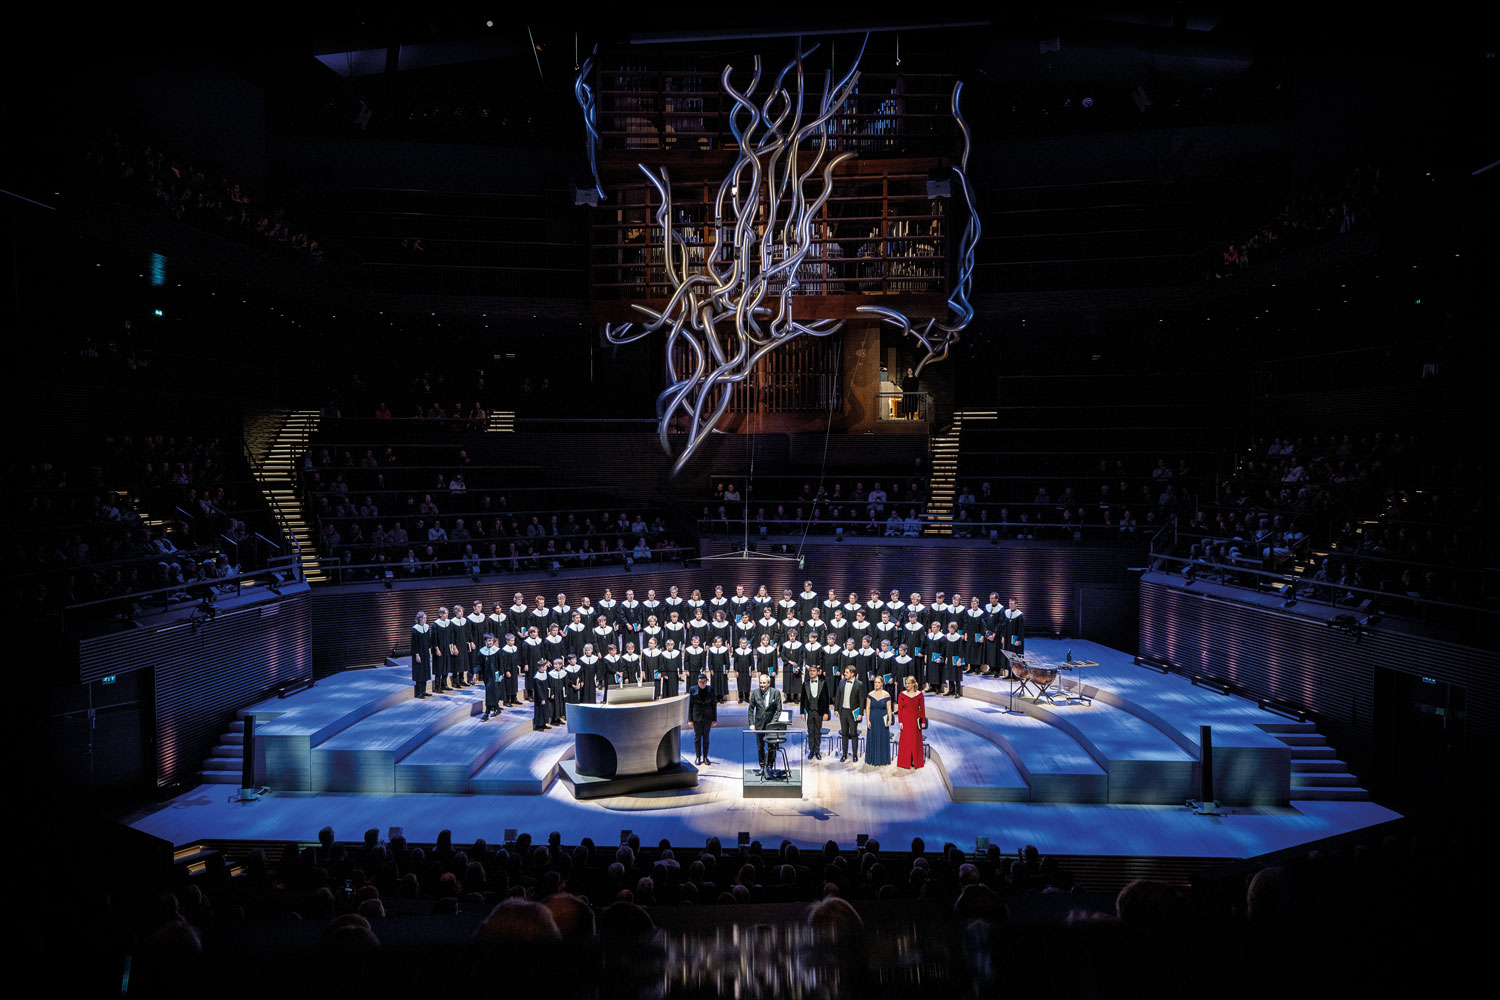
[(1134, 742)]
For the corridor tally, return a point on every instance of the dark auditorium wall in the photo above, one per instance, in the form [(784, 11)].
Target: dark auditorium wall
[(199, 676), (362, 625), (1301, 660)]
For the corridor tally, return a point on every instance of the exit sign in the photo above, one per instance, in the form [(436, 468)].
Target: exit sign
[(108, 680)]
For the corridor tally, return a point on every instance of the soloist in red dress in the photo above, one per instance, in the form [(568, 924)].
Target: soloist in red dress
[(910, 708)]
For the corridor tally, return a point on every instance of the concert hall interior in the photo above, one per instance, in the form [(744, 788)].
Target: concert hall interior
[(1095, 382)]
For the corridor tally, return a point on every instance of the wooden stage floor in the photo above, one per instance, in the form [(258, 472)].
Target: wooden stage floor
[(1106, 778)]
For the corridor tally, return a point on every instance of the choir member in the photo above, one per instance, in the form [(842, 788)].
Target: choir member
[(608, 608), (859, 628), (867, 662), (489, 663), (561, 613), (786, 626), (516, 614), (787, 607), (652, 631), (747, 629), (718, 667), (696, 603), (768, 626), (874, 605), (765, 658), (935, 653), (973, 628), (611, 671), (849, 657), (602, 634), (791, 666), (421, 655), (718, 603), (739, 604), (539, 688), (831, 604), (722, 629), (762, 600), (477, 623), (575, 636), (673, 602), (911, 634), (671, 670), (588, 664), (458, 667), (743, 661), (994, 611), (629, 619), (509, 666), (852, 605), (533, 658), (675, 630), (574, 684), (807, 601), (698, 627), (652, 608), (885, 661), (554, 644), (694, 659), (557, 692), (651, 665), (539, 617), (631, 668), (903, 666), (1015, 629), (445, 651), (953, 668), (838, 628), (896, 606)]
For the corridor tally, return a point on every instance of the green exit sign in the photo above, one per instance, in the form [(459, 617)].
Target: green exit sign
[(1429, 680), (108, 680)]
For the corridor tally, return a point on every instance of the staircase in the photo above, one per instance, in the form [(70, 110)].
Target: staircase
[(502, 422), (943, 485), (277, 441), (226, 766), (1317, 773)]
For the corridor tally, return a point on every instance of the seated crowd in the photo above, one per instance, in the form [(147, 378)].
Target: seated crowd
[(372, 514), (645, 920), (1369, 514), (1339, 206), (142, 173), (133, 514)]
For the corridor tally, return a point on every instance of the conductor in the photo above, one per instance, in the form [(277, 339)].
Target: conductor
[(765, 712)]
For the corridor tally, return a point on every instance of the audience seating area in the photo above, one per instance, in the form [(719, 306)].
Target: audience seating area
[(381, 918), (1376, 522), (435, 510), (132, 514)]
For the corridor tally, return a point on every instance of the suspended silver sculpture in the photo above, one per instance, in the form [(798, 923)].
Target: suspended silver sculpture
[(584, 94), (961, 312), (734, 309)]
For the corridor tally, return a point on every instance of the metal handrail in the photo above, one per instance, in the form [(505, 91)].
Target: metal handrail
[(1311, 590), (289, 538)]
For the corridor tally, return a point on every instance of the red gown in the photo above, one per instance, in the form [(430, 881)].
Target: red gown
[(910, 709)]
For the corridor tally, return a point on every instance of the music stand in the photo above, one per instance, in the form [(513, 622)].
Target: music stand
[(1011, 660)]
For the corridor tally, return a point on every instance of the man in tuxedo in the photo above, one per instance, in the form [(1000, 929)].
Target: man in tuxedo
[(703, 712), (850, 701), (815, 701), (765, 712)]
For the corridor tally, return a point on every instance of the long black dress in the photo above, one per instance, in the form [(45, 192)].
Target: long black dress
[(743, 660)]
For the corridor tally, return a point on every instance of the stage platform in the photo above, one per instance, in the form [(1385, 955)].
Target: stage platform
[(1109, 776)]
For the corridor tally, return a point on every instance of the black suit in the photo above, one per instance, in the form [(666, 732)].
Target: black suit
[(703, 712), (815, 712), (765, 712), (848, 717)]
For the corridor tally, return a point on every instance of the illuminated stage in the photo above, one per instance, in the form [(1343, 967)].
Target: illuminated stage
[(1104, 776)]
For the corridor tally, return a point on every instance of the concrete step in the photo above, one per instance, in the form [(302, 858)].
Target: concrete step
[(221, 777), (1320, 752), (237, 726), (1288, 726), (1304, 779), (227, 751), (1334, 794), (223, 763), (1302, 739), (1319, 765)]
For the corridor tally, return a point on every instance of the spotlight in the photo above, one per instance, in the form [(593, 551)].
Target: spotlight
[(1088, 102)]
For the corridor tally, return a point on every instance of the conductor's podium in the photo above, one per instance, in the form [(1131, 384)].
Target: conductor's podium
[(621, 748)]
